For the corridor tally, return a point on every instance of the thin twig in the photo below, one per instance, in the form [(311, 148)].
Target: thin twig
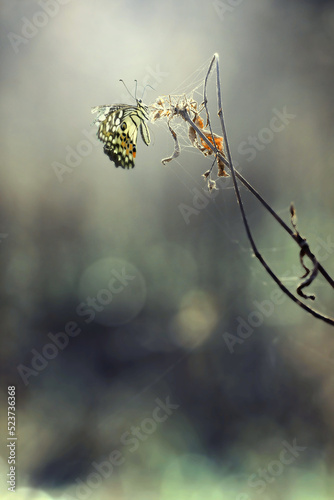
[(299, 240)]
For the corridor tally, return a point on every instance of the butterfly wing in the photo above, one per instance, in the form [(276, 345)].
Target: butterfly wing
[(118, 130), (144, 132), (121, 143)]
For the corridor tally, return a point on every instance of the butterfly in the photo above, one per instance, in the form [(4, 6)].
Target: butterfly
[(118, 129)]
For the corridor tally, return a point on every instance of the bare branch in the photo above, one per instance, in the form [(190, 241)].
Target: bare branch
[(210, 143)]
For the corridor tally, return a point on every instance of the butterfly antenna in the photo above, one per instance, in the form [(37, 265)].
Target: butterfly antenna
[(145, 89), (127, 88)]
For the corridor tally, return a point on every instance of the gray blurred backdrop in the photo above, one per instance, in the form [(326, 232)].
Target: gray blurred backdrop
[(153, 357)]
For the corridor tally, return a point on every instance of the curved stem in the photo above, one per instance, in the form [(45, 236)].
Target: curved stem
[(235, 174)]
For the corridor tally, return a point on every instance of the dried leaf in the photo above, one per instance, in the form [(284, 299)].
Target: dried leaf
[(309, 280), (176, 151), (221, 169), (193, 136), (211, 185), (198, 121), (301, 258), (293, 217)]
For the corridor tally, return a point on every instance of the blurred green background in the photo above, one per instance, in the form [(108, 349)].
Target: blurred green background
[(152, 356)]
